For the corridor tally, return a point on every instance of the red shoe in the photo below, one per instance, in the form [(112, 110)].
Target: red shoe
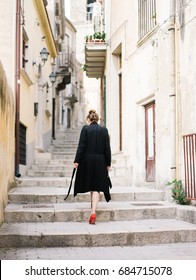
[(92, 219)]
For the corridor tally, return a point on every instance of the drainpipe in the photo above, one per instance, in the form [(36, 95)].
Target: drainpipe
[(102, 102), (175, 94), (53, 112), (176, 75), (17, 90)]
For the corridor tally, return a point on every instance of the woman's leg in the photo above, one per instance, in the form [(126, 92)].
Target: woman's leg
[(91, 199), (94, 201)]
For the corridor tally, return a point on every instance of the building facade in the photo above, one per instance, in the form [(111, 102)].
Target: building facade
[(150, 88), (35, 94), (81, 16), (27, 57), (70, 89)]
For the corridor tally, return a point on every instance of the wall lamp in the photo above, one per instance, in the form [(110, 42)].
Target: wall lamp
[(44, 57), (52, 78)]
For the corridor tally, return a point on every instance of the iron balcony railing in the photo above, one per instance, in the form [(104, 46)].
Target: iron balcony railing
[(63, 61), (189, 145), (66, 59)]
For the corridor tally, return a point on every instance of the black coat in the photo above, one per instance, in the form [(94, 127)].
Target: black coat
[(93, 156)]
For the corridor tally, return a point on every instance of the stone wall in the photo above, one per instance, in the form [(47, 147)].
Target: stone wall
[(7, 144)]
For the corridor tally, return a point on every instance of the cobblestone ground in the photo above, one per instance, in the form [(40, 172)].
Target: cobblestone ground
[(164, 252)]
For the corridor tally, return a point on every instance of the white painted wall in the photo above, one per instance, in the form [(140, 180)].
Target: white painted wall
[(147, 75)]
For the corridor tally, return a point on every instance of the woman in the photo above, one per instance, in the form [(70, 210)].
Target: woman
[(93, 161)]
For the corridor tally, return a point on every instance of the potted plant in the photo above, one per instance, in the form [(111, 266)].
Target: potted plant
[(97, 36), (86, 38), (178, 192), (103, 36), (84, 67)]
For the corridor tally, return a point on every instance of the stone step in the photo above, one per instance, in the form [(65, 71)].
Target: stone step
[(119, 181), (46, 173), (66, 171), (41, 194), (45, 182), (52, 167), (63, 153), (62, 181), (54, 161), (77, 212), (63, 156), (67, 142), (65, 147), (81, 234), (71, 136), (73, 141)]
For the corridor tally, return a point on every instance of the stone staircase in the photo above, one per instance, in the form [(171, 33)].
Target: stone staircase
[(38, 216)]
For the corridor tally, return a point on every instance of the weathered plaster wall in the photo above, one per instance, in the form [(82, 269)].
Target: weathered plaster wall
[(147, 70), (6, 140)]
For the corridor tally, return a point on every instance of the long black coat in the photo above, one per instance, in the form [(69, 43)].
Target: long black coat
[(93, 156)]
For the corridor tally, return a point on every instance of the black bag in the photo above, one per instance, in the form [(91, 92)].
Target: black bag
[(107, 194), (73, 172)]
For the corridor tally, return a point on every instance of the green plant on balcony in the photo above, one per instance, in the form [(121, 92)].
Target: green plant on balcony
[(88, 38), (99, 36), (178, 192), (84, 67), (103, 36)]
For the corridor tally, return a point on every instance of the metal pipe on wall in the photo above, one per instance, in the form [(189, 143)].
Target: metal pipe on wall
[(176, 86), (17, 90), (175, 95)]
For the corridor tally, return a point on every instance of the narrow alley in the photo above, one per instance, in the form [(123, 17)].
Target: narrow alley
[(132, 64)]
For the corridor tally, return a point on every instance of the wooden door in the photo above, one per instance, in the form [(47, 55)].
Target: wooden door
[(150, 141)]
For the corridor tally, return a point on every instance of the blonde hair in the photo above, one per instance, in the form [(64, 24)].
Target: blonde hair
[(92, 116)]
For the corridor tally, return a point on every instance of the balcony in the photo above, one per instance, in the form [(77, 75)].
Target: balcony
[(95, 56), (63, 70)]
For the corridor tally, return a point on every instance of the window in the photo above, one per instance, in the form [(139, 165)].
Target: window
[(24, 48), (89, 10), (146, 16)]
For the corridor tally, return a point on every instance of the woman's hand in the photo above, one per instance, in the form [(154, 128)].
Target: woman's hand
[(76, 165), (108, 168)]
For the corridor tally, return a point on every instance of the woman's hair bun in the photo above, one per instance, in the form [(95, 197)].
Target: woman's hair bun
[(92, 111), (93, 116)]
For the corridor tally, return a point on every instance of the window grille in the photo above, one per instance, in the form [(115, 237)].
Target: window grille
[(146, 16)]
